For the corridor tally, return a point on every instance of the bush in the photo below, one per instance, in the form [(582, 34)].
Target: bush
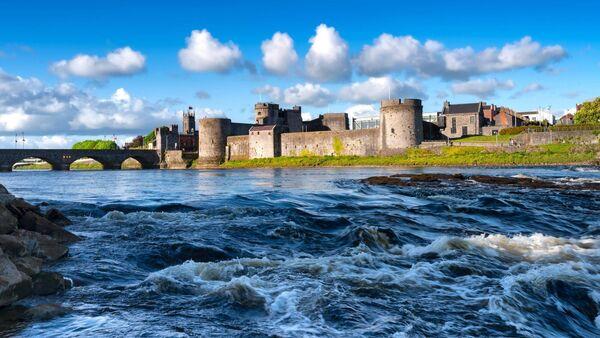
[(589, 112), (95, 145), (149, 138)]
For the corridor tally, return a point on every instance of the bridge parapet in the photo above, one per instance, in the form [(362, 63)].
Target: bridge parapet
[(61, 159)]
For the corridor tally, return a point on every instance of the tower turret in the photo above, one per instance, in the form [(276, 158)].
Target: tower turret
[(401, 124)]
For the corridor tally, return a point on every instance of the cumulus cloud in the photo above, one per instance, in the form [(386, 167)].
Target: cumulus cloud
[(279, 56), (377, 88), (308, 94), (204, 53), (202, 95), (272, 92), (482, 88), (210, 112), (532, 87), (26, 104), (327, 59), (390, 53), (301, 94), (120, 62)]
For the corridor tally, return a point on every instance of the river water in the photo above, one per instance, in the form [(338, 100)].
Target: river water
[(314, 252)]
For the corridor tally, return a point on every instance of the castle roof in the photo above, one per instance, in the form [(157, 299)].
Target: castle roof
[(263, 127), (462, 108)]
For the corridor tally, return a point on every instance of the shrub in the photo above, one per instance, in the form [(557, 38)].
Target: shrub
[(95, 145), (338, 146), (149, 138)]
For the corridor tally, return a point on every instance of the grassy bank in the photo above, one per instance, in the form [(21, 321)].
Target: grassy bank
[(488, 138), (445, 156)]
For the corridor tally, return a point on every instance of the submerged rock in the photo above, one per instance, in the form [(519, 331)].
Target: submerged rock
[(57, 217), (409, 180), (46, 312), (48, 283)]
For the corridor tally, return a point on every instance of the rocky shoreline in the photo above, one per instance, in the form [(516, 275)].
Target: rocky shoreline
[(410, 180), (29, 240)]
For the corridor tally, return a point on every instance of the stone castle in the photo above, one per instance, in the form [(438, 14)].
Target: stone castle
[(282, 132)]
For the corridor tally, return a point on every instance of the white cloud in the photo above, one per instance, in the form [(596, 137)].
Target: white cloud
[(361, 110), (213, 113), (301, 94), (279, 55), (327, 59), (532, 87), (308, 94), (377, 88), (26, 104), (404, 53), (204, 53), (120, 62), (482, 88), (274, 93)]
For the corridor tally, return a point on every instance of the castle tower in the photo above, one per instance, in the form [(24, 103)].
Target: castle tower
[(212, 140), (401, 125), (266, 113), (189, 121)]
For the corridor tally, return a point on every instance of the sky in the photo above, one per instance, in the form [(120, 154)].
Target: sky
[(73, 70)]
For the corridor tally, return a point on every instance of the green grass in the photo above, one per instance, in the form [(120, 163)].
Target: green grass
[(445, 156), (482, 138)]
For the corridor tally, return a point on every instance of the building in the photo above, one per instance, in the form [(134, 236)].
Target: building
[(567, 119), (539, 116), (459, 120), (328, 121), (367, 122), (289, 120)]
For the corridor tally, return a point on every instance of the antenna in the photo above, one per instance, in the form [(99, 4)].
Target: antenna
[(23, 136), (16, 140)]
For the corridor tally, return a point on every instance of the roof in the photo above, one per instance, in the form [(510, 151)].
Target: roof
[(263, 127), (567, 116), (462, 108)]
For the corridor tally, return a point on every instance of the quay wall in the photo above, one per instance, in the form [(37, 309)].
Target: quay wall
[(362, 142)]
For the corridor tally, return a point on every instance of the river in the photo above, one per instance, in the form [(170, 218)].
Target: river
[(314, 252)]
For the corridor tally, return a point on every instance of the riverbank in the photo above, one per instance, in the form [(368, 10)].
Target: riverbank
[(552, 154), (30, 238)]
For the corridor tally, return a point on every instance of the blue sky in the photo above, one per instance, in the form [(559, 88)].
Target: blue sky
[(520, 54)]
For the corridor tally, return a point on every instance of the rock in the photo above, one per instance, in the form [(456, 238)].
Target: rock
[(28, 264), (48, 283), (46, 311), (57, 217), (8, 221), (14, 284), (12, 246), (387, 180), (5, 196), (41, 246), (34, 222), (19, 207)]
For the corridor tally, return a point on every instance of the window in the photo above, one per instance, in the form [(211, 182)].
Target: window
[(472, 119), (453, 128)]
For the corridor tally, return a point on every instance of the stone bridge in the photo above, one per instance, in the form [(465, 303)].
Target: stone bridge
[(61, 159)]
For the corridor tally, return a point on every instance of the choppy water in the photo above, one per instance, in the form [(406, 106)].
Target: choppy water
[(314, 252)]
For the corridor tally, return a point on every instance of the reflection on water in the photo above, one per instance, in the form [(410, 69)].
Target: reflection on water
[(314, 252)]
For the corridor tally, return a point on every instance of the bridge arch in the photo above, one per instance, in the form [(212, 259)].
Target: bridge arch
[(30, 163), (144, 163), (87, 163)]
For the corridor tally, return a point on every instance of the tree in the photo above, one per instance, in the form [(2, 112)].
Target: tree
[(149, 138), (589, 112), (96, 145)]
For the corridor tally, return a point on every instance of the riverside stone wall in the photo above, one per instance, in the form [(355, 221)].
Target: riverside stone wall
[(575, 136), (237, 148), (362, 142)]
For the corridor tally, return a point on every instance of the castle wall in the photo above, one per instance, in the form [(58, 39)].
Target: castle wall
[(237, 148), (240, 128), (264, 142), (212, 140), (362, 142)]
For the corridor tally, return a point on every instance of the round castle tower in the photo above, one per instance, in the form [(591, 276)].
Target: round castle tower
[(401, 124), (212, 140)]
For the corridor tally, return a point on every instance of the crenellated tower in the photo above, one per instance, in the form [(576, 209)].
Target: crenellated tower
[(401, 125)]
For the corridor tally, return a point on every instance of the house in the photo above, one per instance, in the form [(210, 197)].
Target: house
[(539, 116), (567, 119), (459, 120)]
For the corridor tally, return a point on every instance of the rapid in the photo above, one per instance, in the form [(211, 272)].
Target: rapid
[(315, 252)]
